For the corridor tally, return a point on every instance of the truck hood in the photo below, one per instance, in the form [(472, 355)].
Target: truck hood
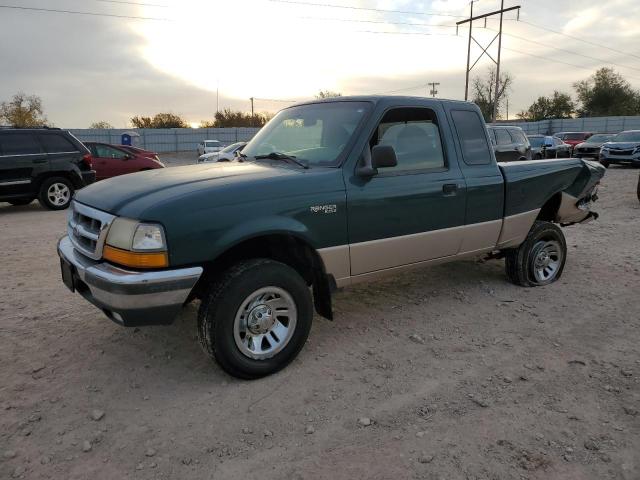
[(141, 195)]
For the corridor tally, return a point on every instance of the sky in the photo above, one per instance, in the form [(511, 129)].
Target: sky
[(190, 57)]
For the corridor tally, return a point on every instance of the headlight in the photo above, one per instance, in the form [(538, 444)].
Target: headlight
[(134, 244)]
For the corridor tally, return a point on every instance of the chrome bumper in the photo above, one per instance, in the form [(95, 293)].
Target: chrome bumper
[(130, 298)]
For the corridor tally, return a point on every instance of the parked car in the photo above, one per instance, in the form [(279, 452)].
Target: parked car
[(509, 143), (44, 163), (209, 146), (624, 148), (591, 147), (113, 160), (140, 151), (573, 138), (546, 146), (227, 154), (330, 193)]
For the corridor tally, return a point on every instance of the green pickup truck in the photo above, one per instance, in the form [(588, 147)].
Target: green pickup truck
[(329, 193)]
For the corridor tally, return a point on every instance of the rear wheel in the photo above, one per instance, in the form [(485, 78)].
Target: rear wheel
[(540, 259), (20, 202), (55, 193), (256, 318)]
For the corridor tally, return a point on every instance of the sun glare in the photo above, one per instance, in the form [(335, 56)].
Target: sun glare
[(273, 50)]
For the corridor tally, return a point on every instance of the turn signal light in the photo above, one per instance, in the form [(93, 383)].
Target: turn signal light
[(135, 259)]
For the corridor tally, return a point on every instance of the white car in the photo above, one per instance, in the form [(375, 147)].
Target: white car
[(227, 154), (209, 146)]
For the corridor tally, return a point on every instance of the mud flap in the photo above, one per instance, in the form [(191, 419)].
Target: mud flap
[(322, 296)]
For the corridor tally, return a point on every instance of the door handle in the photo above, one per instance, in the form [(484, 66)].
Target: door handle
[(450, 189)]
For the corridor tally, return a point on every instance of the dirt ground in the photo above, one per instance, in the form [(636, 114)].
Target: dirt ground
[(444, 373)]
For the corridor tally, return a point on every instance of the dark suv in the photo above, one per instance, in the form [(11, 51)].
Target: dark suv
[(510, 144), (44, 163)]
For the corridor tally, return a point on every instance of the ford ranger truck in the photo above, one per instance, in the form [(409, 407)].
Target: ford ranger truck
[(328, 194)]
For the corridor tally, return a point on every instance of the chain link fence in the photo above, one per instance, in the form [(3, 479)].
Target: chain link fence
[(167, 139), (586, 124)]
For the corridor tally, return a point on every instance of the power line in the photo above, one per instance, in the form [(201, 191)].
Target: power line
[(75, 12), (578, 39), (369, 9), (134, 3), (567, 51), (556, 61), (407, 33), (278, 100), (382, 22)]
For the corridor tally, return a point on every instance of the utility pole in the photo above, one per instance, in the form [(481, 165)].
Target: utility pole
[(466, 80), (507, 109), (495, 102), (217, 96), (433, 90), (485, 49), (252, 111)]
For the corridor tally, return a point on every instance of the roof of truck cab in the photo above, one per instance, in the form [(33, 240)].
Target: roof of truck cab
[(380, 98)]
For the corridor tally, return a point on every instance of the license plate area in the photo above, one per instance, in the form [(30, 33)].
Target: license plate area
[(67, 274)]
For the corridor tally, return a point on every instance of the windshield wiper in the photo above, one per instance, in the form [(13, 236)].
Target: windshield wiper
[(283, 156)]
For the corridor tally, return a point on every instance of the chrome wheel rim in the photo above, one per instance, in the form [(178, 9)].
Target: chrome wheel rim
[(265, 322), (546, 260), (58, 194)]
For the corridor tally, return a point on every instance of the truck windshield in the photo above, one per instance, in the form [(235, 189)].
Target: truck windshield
[(316, 133)]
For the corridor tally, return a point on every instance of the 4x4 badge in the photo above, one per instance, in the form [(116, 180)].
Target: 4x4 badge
[(333, 208)]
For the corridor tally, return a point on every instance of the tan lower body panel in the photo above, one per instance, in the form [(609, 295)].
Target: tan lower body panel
[(569, 211), (516, 227), (377, 258)]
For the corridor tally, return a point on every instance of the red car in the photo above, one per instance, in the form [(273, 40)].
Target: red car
[(573, 138), (141, 151), (113, 160)]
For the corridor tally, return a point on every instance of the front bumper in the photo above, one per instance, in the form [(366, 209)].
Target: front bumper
[(129, 298), (621, 159)]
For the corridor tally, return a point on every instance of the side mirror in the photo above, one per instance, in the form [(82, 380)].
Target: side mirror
[(383, 156), (380, 156)]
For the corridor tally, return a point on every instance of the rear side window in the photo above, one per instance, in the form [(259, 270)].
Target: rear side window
[(54, 143), (19, 144), (517, 136), (503, 137), (471, 132)]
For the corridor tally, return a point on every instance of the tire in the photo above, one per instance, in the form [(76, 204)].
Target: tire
[(20, 202), (56, 193), (540, 259), (252, 289), (638, 188), (605, 163)]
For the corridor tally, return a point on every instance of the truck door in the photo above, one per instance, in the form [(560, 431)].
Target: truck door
[(411, 212), (485, 184)]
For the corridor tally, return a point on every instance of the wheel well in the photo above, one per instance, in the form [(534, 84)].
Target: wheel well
[(550, 208), (284, 248)]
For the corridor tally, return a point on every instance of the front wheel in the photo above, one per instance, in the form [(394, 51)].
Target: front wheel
[(540, 259), (256, 318), (55, 193)]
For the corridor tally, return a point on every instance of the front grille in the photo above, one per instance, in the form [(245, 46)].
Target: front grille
[(621, 152), (87, 229)]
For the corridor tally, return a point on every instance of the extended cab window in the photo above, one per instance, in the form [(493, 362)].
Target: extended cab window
[(414, 135), (471, 132), (19, 144), (54, 143)]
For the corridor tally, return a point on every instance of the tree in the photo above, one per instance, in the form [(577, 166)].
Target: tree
[(327, 94), (228, 118), (101, 125), (160, 120), (484, 88), (606, 93), (23, 111), (559, 105)]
